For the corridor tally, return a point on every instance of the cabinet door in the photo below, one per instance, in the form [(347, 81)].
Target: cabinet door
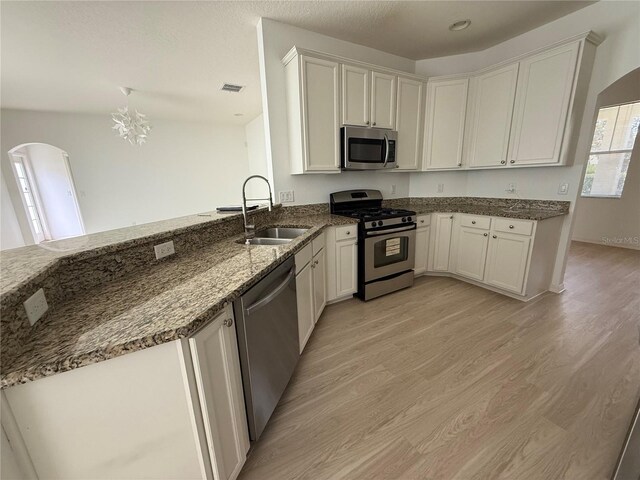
[(214, 351), (422, 250), (355, 96), (445, 117), (320, 107), (319, 284), (383, 100), (507, 261), (304, 297), (471, 252), (442, 241), (346, 268), (492, 96), (409, 124), (545, 87)]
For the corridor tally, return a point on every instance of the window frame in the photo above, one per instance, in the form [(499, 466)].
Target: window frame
[(608, 152)]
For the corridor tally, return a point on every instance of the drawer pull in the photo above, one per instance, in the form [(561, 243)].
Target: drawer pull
[(486, 234), (512, 161), (473, 222), (348, 232), (421, 221), (228, 322), (511, 226), (494, 236), (502, 162)]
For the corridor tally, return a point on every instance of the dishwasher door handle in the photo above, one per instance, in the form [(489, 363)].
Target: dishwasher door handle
[(274, 293)]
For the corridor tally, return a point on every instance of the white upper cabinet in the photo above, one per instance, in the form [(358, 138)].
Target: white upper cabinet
[(313, 91), (409, 124), (383, 100), (445, 119), (544, 95), (355, 95), (491, 99)]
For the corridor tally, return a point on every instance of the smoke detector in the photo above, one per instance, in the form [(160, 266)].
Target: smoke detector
[(230, 87)]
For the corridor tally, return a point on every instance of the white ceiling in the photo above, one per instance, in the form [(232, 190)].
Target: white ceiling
[(72, 56)]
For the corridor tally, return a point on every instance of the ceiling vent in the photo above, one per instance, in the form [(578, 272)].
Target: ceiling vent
[(229, 87)]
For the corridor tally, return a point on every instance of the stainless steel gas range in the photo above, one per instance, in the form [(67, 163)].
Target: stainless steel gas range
[(386, 241)]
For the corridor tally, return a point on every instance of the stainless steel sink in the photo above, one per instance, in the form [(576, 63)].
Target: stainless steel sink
[(266, 241), (280, 233)]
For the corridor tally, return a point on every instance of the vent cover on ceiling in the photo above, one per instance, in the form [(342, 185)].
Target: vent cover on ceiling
[(229, 87)]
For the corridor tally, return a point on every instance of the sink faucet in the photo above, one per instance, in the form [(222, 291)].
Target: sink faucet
[(249, 230)]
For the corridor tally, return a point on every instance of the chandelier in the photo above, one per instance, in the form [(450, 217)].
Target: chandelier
[(131, 126)]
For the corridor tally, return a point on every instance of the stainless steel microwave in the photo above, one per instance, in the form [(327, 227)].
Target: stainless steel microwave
[(368, 148)]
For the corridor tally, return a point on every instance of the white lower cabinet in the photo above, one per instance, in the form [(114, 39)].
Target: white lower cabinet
[(511, 256), (342, 262), (507, 261), (311, 287), (217, 370), (470, 249), (423, 233), (442, 224), (319, 284), (175, 410)]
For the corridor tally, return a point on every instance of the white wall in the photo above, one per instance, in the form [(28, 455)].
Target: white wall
[(274, 41), (10, 233), (257, 157), (184, 168), (55, 189), (614, 221)]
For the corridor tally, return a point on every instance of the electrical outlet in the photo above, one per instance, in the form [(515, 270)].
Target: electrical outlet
[(393, 189), (36, 306), (164, 249), (286, 196), (440, 187), (511, 188), (563, 189)]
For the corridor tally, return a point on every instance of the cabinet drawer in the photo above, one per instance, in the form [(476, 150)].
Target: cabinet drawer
[(475, 221), (318, 244), (347, 233), (520, 227), (423, 221), (303, 257)]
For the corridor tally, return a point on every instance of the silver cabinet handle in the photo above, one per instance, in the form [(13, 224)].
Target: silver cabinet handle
[(228, 322), (502, 162), (348, 232), (486, 234), (512, 161), (451, 216), (459, 164), (473, 222), (374, 124), (494, 236), (510, 226), (367, 122), (421, 221)]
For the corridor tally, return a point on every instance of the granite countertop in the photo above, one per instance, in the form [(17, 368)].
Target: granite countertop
[(493, 211), (20, 265), (163, 302)]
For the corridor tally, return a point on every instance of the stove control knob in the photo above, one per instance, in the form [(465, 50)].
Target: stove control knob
[(373, 224), (409, 219), (380, 223), (404, 219)]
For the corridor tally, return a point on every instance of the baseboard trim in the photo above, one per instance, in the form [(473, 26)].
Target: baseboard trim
[(556, 288), (599, 242)]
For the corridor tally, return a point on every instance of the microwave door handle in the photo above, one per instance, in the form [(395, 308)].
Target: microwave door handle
[(386, 151)]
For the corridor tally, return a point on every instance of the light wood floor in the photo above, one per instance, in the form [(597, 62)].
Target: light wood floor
[(446, 380)]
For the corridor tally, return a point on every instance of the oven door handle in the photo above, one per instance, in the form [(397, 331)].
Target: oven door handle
[(391, 230), (386, 151)]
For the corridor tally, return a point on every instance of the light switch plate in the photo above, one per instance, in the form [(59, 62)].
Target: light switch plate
[(511, 188), (36, 306), (563, 189), (164, 249)]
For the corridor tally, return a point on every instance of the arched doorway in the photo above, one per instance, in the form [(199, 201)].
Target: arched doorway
[(43, 176)]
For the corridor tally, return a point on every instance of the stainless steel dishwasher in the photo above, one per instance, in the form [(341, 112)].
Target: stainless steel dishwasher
[(267, 325)]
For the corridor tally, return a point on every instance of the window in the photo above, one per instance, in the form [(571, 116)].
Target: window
[(616, 130), (33, 214)]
